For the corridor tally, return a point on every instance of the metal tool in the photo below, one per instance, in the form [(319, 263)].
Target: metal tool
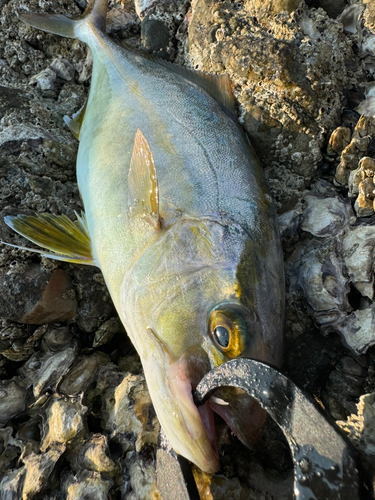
[(324, 464)]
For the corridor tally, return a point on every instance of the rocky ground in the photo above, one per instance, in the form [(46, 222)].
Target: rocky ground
[(76, 419)]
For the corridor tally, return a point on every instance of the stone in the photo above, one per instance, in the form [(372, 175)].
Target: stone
[(268, 8), (155, 36), (338, 141), (13, 398), (363, 206), (63, 419), (63, 68), (42, 297), (45, 79), (324, 216)]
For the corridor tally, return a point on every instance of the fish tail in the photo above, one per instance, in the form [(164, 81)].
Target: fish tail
[(94, 15)]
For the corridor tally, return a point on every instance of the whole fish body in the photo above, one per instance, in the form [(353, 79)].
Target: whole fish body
[(179, 220)]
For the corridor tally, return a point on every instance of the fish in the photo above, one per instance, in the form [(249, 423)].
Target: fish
[(179, 219)]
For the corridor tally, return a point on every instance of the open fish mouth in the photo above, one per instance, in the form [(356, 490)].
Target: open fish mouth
[(189, 428)]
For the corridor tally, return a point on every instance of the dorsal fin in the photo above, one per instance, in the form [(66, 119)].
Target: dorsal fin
[(75, 123), (69, 241), (218, 86), (143, 182)]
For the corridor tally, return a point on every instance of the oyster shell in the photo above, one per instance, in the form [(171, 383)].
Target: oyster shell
[(13, 398)]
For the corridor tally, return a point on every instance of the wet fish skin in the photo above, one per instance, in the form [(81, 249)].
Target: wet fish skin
[(210, 251)]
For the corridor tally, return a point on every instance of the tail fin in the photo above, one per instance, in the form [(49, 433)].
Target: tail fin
[(71, 28)]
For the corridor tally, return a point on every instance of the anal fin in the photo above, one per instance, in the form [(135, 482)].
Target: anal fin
[(68, 241), (143, 182)]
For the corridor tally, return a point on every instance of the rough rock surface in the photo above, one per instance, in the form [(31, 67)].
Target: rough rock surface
[(76, 420)]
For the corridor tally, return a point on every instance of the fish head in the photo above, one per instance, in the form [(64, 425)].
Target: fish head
[(187, 310)]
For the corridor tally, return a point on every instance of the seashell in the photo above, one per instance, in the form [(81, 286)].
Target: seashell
[(342, 175), (32, 478), (87, 484), (322, 278), (358, 330), (355, 178), (349, 118), (365, 127), (56, 338), (325, 216), (142, 479), (106, 331), (45, 79), (357, 250), (62, 420), (131, 410), (18, 351), (12, 397), (366, 188), (63, 68), (361, 143), (82, 374), (44, 372), (367, 165), (10, 449), (350, 156), (363, 206), (350, 16), (38, 334), (93, 455), (338, 141), (30, 431)]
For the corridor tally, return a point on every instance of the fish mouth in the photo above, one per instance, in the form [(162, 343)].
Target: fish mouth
[(189, 428), (171, 382)]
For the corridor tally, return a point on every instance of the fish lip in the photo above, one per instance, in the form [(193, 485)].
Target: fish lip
[(181, 376), (180, 372)]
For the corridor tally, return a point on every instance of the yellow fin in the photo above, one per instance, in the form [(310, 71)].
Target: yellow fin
[(143, 182), (69, 241), (76, 121)]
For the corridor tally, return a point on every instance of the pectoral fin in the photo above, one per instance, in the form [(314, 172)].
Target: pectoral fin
[(143, 182), (68, 241)]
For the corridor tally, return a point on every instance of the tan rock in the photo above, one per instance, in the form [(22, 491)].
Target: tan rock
[(355, 178), (363, 206), (366, 188), (340, 138), (267, 8), (342, 175), (350, 156), (62, 421), (367, 165), (365, 127)]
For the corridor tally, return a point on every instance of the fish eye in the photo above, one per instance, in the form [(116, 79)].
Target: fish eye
[(222, 335), (228, 330)]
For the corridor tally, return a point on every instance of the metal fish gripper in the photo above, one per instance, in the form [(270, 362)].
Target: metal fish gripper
[(324, 462)]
